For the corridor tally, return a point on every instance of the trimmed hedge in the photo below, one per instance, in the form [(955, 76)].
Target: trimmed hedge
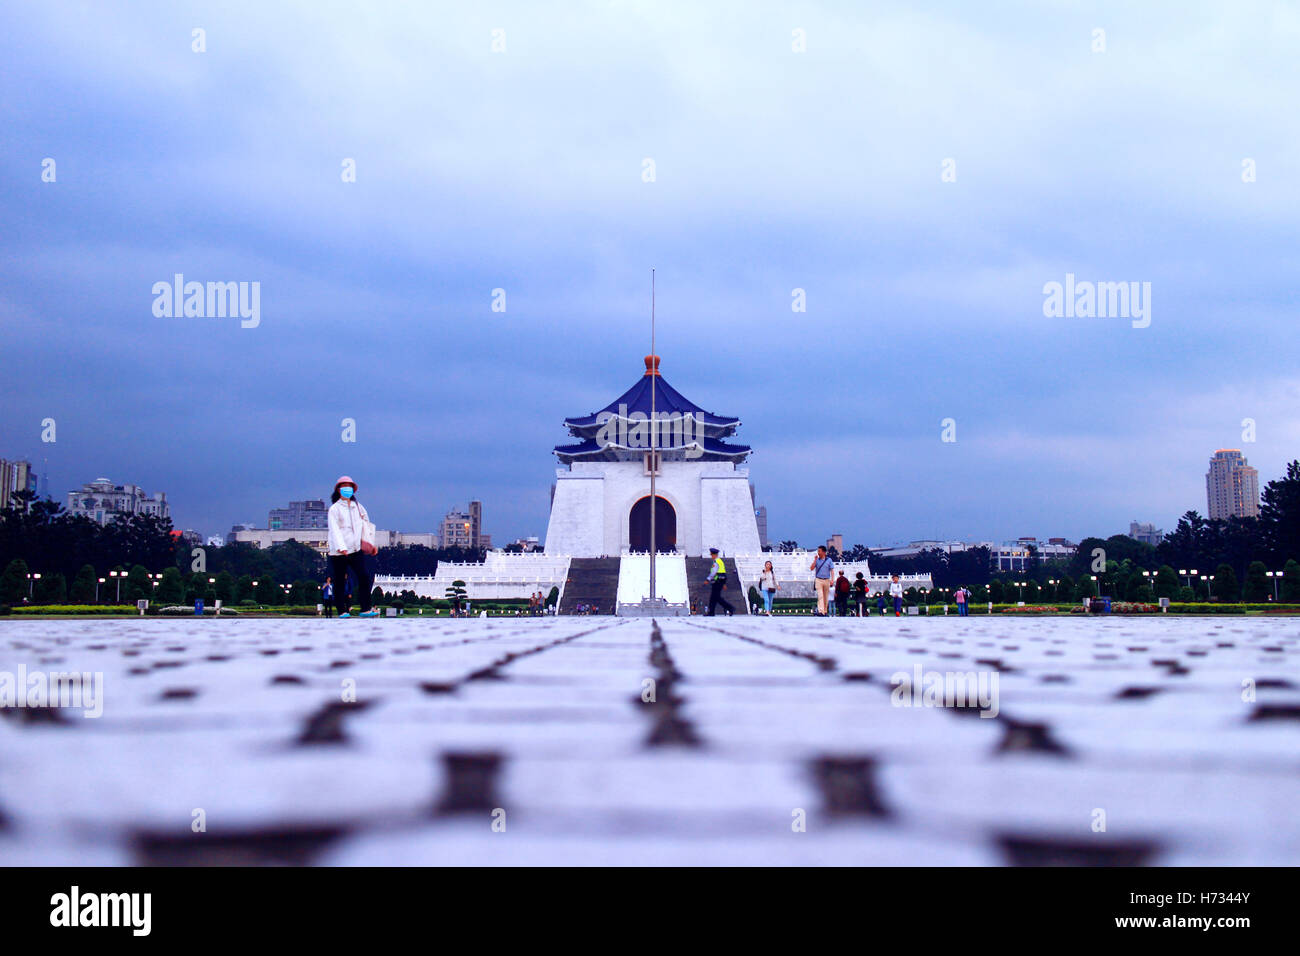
[(1205, 608)]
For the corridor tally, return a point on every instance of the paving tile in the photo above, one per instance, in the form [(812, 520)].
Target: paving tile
[(394, 741)]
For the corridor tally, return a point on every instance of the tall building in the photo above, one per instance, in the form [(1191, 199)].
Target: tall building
[(464, 529), (102, 501), (15, 476), (1146, 533), (1231, 486), (299, 516)]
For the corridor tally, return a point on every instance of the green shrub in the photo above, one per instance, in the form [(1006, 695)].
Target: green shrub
[(37, 610)]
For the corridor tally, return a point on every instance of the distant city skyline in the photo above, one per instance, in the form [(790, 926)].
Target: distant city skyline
[(304, 515), (1027, 289)]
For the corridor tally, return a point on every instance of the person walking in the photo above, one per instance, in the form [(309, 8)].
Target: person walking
[(962, 597), (880, 602), (822, 568), (327, 597), (860, 594), (347, 521), (767, 587), (842, 590), (718, 579), (896, 590)]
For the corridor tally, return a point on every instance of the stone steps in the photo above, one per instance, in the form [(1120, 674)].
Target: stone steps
[(592, 582), (697, 573)]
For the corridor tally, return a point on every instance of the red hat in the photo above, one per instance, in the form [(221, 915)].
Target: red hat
[(345, 480)]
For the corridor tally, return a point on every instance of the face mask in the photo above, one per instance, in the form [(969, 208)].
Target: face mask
[(346, 491)]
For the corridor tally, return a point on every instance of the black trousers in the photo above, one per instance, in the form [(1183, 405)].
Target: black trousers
[(340, 565), (716, 598)]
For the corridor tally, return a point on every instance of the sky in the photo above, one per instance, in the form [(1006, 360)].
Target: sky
[(920, 171)]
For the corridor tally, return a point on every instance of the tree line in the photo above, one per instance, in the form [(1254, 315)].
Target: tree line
[(1231, 558)]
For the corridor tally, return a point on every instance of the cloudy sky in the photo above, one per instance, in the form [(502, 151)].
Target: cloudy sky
[(774, 170)]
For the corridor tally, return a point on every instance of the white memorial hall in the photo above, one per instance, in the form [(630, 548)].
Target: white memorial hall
[(597, 549)]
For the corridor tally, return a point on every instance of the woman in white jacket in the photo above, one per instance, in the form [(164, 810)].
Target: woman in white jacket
[(346, 519)]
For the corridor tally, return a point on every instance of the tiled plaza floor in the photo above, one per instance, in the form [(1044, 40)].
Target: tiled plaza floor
[(528, 742)]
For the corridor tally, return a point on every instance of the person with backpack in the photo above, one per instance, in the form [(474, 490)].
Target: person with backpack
[(860, 594), (880, 602), (842, 590), (962, 596), (822, 568), (767, 587), (349, 544), (718, 580)]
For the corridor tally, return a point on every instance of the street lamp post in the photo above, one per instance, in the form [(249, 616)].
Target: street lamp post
[(98, 582), (1274, 575), (31, 581), (1098, 583), (118, 576)]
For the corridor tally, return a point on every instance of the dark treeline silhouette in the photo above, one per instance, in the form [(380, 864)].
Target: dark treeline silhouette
[(71, 552), (1238, 552)]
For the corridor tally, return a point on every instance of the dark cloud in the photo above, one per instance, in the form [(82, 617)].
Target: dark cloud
[(775, 171)]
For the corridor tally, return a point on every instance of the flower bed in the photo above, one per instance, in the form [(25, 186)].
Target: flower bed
[(181, 610)]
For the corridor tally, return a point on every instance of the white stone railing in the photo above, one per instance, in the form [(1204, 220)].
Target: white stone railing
[(517, 576)]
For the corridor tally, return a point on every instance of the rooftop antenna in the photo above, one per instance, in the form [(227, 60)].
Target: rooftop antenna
[(654, 432)]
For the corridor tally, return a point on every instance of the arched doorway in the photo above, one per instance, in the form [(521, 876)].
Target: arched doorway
[(638, 525)]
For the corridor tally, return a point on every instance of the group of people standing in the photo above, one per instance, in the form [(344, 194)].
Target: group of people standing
[(536, 604), (844, 590), (834, 594)]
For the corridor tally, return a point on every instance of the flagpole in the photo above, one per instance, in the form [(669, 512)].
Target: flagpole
[(654, 432)]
